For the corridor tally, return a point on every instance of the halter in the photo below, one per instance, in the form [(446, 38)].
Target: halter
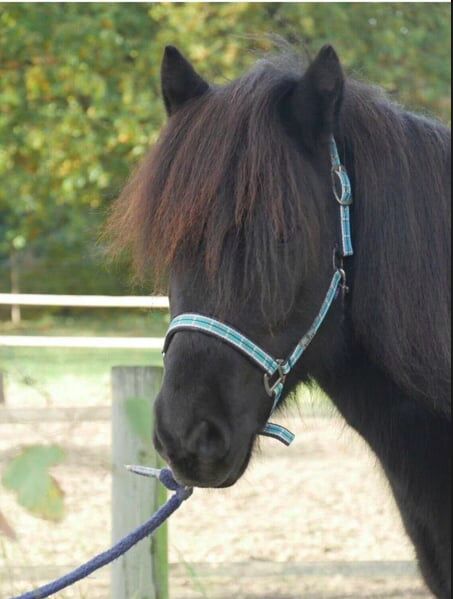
[(275, 369)]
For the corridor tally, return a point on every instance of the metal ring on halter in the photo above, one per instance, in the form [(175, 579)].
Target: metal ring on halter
[(340, 173), (271, 387), (338, 265), (344, 281)]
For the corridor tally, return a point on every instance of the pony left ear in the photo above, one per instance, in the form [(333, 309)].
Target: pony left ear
[(180, 82), (316, 99)]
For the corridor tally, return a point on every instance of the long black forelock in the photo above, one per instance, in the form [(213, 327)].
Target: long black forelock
[(226, 184)]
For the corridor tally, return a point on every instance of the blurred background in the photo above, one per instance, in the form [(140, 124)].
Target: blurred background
[(79, 105)]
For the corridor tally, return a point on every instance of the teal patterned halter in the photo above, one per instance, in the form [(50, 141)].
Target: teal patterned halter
[(275, 369)]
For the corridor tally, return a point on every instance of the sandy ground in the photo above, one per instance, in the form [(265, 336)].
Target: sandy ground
[(310, 522)]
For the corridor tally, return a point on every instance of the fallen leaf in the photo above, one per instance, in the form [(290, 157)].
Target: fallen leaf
[(28, 476), (6, 529)]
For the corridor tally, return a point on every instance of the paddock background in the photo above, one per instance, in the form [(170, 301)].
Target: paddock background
[(315, 522), (79, 105)]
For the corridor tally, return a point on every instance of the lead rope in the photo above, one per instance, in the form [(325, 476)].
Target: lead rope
[(271, 367), (180, 495)]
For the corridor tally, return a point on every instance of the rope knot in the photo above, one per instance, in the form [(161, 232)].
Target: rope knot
[(167, 478)]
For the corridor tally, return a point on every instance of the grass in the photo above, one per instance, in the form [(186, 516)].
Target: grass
[(143, 323), (74, 376), (193, 576)]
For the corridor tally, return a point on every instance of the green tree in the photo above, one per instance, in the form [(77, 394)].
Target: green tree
[(79, 102)]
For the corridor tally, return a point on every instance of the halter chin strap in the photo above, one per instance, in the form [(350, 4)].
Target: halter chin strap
[(276, 370)]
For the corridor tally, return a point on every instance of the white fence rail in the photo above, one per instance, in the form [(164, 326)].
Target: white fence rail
[(82, 342), (83, 301)]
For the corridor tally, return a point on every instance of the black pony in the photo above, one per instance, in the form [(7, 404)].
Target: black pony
[(235, 203)]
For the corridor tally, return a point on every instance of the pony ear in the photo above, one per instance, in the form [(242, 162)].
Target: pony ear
[(180, 82), (316, 99)]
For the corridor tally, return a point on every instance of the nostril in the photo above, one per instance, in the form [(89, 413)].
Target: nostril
[(208, 441)]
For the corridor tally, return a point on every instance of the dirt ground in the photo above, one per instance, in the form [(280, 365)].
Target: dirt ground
[(310, 522)]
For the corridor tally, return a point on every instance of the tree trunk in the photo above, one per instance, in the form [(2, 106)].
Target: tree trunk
[(16, 315)]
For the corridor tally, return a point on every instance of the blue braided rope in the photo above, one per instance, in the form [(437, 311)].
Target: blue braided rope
[(320, 318), (120, 548)]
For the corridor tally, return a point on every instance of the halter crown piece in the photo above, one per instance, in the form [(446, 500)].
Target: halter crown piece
[(275, 369)]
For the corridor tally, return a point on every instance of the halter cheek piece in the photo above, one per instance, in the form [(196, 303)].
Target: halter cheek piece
[(276, 370)]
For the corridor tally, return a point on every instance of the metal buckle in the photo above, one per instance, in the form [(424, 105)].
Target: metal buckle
[(337, 173), (344, 282), (272, 386), (338, 265)]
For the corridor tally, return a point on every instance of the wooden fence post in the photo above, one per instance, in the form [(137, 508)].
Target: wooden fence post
[(143, 572)]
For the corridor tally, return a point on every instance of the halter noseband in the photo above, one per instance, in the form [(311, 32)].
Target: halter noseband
[(276, 370)]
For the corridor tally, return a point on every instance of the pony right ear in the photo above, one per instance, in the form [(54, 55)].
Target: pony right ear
[(180, 82), (316, 99)]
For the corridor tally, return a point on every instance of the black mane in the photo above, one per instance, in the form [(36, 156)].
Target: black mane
[(401, 169)]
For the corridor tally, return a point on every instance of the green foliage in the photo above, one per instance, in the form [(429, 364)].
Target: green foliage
[(80, 103), (28, 476)]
